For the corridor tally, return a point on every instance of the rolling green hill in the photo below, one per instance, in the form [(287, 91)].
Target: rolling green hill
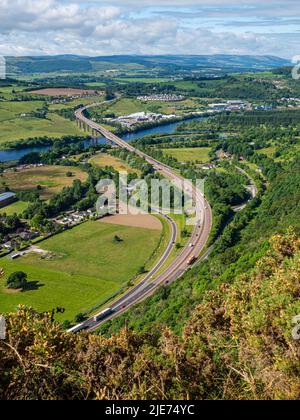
[(71, 63)]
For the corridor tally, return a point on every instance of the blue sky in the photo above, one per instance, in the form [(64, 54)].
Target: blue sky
[(97, 27)]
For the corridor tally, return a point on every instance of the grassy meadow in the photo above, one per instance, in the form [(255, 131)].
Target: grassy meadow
[(126, 106), (15, 208), (103, 159), (18, 122), (192, 154), (85, 267)]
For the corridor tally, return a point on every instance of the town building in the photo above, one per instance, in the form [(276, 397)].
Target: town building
[(27, 235), (208, 166), (219, 106), (142, 117), (264, 108), (231, 106), (8, 245)]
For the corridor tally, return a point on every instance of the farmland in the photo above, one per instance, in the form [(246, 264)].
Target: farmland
[(12, 110), (145, 221), (15, 208), (79, 277), (51, 179), (200, 154), (142, 79), (102, 160), (62, 92), (17, 122), (126, 106), (71, 104)]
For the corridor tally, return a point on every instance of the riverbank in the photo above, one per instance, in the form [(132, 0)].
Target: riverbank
[(7, 155)]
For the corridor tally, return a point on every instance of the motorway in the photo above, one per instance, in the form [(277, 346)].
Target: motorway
[(179, 265)]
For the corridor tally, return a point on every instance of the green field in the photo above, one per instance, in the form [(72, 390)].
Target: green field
[(11, 89), (142, 79), (12, 110), (10, 92), (200, 154), (76, 102), (86, 267), (126, 106), (95, 85), (15, 125), (180, 220), (18, 207), (268, 151), (103, 160), (187, 85)]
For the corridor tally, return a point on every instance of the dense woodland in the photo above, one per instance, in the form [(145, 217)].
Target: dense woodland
[(275, 118)]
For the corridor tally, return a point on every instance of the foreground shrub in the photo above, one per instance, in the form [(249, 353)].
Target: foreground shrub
[(238, 344)]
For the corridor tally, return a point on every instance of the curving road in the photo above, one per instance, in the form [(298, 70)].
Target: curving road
[(252, 188), (179, 265)]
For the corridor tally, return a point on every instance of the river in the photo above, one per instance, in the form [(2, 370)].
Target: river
[(16, 154)]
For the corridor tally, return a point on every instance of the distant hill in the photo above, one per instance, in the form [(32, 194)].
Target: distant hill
[(73, 63)]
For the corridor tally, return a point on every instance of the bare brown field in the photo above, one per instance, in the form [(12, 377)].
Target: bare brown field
[(145, 221), (63, 92)]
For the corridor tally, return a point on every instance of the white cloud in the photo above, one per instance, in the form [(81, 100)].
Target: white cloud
[(33, 27), (35, 15)]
